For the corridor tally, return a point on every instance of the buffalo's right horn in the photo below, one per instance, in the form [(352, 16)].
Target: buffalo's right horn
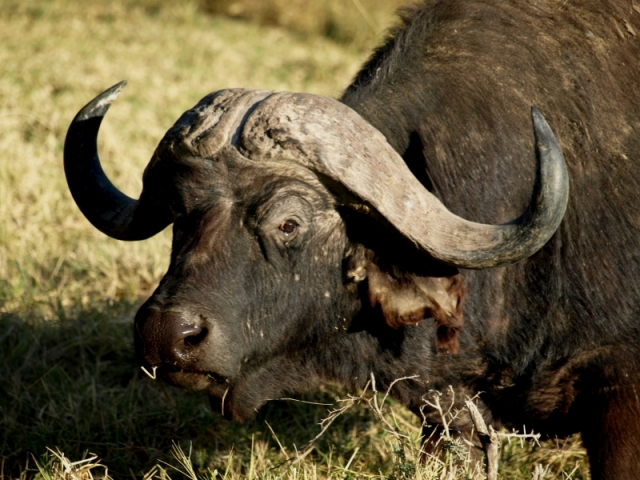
[(107, 208)]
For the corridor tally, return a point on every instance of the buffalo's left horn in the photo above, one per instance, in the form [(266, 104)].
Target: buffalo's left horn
[(332, 139), (107, 208)]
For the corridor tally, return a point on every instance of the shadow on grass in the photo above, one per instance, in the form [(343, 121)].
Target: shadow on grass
[(73, 384)]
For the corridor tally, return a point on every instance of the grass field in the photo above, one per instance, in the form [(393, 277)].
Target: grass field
[(69, 387)]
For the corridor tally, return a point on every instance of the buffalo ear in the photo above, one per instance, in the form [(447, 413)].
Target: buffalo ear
[(356, 263), (407, 299)]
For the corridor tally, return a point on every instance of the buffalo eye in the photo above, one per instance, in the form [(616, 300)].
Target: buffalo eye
[(288, 228)]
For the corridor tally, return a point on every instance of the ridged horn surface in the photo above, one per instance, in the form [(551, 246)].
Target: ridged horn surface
[(332, 139)]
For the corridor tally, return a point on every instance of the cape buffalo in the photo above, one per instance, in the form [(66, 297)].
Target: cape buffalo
[(311, 237)]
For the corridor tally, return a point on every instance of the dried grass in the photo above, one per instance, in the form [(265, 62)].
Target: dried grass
[(358, 23), (55, 59)]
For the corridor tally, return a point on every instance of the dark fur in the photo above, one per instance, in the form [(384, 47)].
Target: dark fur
[(450, 89), (552, 342)]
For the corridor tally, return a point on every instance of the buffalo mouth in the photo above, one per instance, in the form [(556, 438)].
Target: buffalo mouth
[(211, 382), (216, 386)]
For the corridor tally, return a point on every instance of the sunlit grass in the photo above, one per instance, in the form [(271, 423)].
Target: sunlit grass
[(55, 59), (69, 385), (358, 23)]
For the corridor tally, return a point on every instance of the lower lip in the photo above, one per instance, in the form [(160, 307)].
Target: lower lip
[(192, 380)]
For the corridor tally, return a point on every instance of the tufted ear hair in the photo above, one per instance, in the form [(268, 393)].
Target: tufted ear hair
[(408, 298)]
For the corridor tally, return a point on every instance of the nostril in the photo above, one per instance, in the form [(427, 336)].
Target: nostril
[(184, 329), (168, 337), (188, 333), (196, 337)]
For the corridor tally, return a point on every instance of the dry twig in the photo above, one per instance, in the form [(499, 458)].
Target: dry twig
[(488, 438)]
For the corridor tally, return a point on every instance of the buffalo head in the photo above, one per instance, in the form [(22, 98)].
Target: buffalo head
[(292, 217)]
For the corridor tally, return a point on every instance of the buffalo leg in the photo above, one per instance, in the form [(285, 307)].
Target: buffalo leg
[(612, 434)]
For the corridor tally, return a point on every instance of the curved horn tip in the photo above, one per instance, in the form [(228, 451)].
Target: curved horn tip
[(541, 128), (98, 106)]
